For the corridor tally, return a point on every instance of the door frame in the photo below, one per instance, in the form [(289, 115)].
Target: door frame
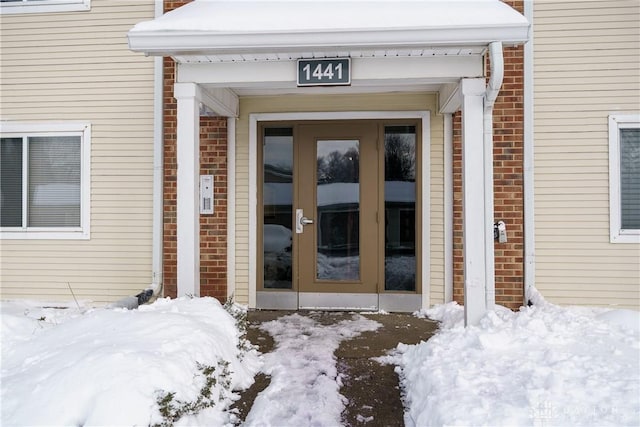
[(289, 300)]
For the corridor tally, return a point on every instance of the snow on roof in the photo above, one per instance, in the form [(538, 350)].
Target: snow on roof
[(221, 26), (311, 15), (339, 193)]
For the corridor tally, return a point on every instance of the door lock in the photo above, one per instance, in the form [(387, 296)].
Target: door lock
[(301, 221)]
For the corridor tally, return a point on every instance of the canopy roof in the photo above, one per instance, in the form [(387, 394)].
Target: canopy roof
[(219, 27)]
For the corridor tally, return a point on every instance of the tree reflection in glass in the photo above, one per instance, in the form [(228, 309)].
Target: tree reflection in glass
[(338, 214), (400, 207)]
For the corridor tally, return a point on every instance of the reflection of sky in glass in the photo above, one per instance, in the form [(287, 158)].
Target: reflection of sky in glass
[(279, 152), (340, 145)]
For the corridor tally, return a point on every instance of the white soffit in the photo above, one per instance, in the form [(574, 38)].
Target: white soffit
[(220, 31)]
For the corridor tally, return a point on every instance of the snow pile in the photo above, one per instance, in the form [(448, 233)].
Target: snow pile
[(544, 365), (106, 367), (304, 388)]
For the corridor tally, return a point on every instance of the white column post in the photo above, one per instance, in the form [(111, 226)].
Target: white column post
[(188, 214), (473, 206)]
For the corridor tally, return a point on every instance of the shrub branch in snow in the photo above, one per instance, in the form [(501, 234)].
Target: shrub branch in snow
[(173, 409)]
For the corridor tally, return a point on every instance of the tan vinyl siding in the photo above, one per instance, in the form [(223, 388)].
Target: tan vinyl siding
[(365, 102), (586, 67), (77, 67)]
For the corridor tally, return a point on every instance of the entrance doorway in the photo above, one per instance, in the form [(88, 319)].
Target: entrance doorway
[(340, 214)]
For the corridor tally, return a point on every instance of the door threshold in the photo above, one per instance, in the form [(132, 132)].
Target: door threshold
[(291, 300), (337, 301)]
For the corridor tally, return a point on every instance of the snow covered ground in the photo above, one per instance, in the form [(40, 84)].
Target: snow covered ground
[(108, 366), (543, 366), (305, 385)]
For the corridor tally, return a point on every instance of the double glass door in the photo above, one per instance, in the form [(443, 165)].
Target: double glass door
[(338, 207)]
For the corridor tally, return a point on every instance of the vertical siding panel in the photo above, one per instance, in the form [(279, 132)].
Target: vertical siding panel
[(586, 66)]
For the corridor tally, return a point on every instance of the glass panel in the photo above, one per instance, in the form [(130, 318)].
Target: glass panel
[(54, 181), (11, 182), (338, 189), (400, 208), (277, 196), (630, 178)]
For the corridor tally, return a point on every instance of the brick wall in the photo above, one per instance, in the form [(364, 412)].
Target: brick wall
[(508, 140), (213, 161), (169, 248), (213, 228)]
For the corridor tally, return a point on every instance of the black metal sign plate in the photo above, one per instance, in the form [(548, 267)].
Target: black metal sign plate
[(324, 72)]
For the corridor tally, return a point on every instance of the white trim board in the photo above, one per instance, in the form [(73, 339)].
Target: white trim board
[(45, 6), (616, 233), (254, 119), (7, 128)]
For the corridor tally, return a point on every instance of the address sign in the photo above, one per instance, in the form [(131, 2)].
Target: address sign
[(324, 72)]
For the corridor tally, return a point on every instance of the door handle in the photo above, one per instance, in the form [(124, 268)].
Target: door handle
[(301, 221)]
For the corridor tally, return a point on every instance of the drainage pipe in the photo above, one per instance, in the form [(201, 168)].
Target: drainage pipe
[(448, 207), (493, 87), (158, 169), (231, 206), (529, 224)]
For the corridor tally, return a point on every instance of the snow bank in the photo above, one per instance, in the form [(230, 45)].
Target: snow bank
[(545, 365), (105, 367)]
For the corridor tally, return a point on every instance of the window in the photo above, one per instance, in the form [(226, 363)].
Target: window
[(44, 181), (43, 6), (624, 178)]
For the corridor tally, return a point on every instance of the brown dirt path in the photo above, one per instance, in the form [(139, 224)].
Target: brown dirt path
[(372, 389)]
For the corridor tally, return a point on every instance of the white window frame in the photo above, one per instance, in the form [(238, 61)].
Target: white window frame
[(44, 6), (19, 130), (617, 122)]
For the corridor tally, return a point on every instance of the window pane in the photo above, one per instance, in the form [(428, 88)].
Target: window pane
[(400, 208), (11, 182), (277, 194), (338, 204), (630, 178), (54, 181)]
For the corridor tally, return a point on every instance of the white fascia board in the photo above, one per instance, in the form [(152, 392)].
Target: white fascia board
[(221, 101), (172, 42), (370, 70)]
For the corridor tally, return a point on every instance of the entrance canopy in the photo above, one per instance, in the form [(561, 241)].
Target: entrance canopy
[(216, 30), (418, 45)]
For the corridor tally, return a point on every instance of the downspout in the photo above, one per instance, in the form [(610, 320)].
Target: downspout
[(158, 168), (448, 207), (529, 225), (231, 207), (493, 87)]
